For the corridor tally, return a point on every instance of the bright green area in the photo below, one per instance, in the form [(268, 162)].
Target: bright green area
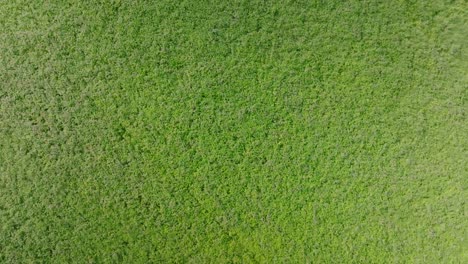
[(233, 131)]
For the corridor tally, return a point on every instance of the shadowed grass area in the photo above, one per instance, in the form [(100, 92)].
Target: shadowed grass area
[(233, 131)]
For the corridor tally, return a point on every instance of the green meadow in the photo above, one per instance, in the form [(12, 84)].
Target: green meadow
[(233, 131)]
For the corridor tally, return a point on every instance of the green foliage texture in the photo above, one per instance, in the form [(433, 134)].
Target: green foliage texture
[(233, 131)]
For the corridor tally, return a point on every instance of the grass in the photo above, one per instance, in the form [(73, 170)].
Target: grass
[(233, 131)]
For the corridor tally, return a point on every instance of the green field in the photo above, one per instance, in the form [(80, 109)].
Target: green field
[(234, 131)]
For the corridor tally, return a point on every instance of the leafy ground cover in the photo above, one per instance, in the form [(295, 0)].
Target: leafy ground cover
[(233, 131)]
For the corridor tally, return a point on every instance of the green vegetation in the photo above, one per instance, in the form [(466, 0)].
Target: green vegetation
[(233, 131)]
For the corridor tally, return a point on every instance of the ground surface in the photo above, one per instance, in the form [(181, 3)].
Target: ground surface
[(236, 131)]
